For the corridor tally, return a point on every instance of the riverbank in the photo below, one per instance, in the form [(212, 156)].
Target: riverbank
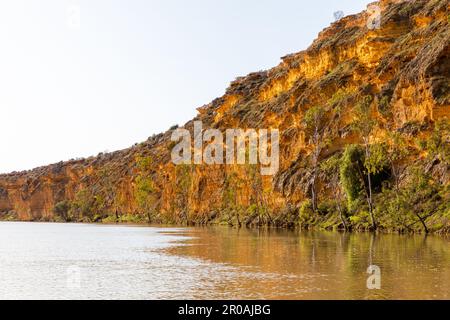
[(331, 223)]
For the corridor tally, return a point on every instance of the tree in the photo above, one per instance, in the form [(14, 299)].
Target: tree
[(260, 195), (397, 150), (331, 168), (146, 197), (83, 205), (351, 172), (61, 209), (365, 124), (392, 200), (183, 185), (145, 190), (105, 189), (316, 124), (438, 144), (421, 198)]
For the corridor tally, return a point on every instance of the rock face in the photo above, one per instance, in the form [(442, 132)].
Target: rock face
[(404, 66)]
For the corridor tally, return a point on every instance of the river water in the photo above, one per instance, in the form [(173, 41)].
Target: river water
[(80, 261)]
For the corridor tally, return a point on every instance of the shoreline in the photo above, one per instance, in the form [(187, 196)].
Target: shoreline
[(251, 227)]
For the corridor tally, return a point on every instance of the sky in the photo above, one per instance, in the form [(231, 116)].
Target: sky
[(79, 77)]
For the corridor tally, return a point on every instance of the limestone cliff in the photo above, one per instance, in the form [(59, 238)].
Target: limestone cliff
[(403, 66)]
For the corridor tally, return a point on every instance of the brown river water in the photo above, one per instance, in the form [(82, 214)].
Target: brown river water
[(80, 261)]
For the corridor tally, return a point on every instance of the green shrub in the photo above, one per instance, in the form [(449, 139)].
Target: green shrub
[(306, 214), (62, 209), (384, 106), (352, 167), (438, 144), (82, 206)]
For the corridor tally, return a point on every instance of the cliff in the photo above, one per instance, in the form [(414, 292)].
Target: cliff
[(400, 69)]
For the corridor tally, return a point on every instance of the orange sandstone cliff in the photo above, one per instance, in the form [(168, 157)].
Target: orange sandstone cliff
[(403, 65)]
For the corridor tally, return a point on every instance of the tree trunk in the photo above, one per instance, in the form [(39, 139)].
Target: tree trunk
[(422, 221), (314, 196), (369, 182), (341, 215), (369, 200), (314, 179)]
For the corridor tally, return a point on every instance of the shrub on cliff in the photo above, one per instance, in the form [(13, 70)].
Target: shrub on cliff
[(306, 214), (62, 209), (82, 206), (361, 174), (331, 168), (420, 204), (438, 144), (145, 191), (351, 172)]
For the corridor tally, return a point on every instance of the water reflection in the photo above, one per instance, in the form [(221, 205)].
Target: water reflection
[(279, 264)]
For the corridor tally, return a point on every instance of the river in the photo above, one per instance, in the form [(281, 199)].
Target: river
[(87, 261)]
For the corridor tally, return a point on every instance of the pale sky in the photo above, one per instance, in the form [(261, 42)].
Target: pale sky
[(132, 68)]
